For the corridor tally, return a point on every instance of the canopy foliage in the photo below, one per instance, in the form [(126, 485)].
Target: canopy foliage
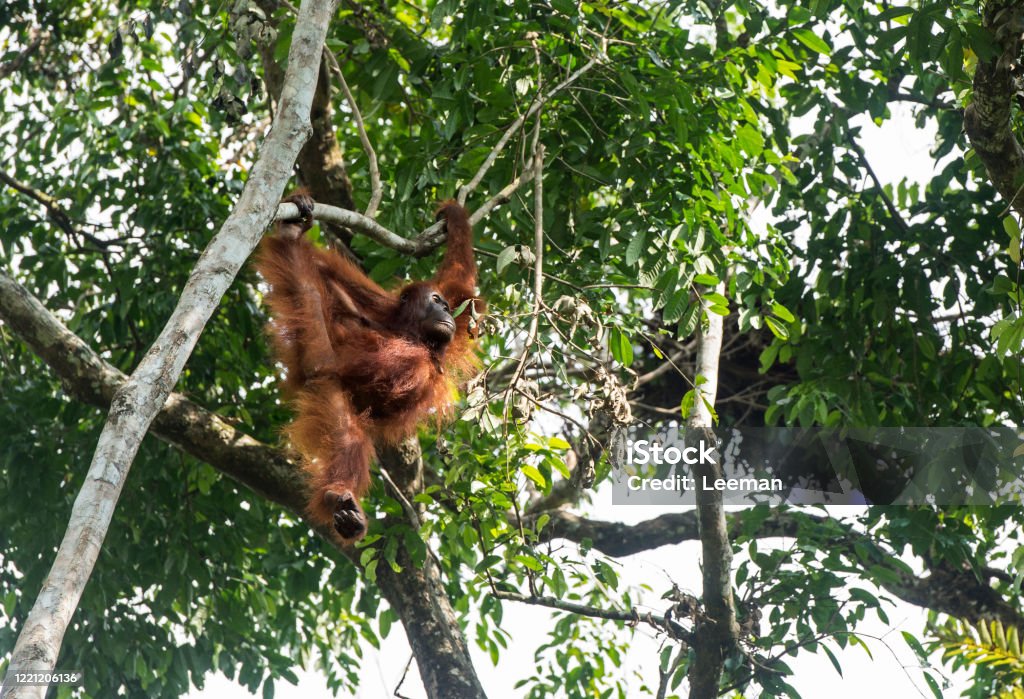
[(709, 141)]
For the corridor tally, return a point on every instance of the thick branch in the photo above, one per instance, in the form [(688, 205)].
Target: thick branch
[(617, 539), (270, 472), (961, 593), (139, 400), (418, 596), (987, 119)]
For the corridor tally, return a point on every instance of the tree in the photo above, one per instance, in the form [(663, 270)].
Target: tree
[(616, 158)]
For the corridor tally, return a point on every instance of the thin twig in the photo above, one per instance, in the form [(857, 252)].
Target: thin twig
[(538, 268), (665, 677), (410, 511), (408, 664), (376, 191), (538, 102), (54, 211), (662, 622), (889, 205), (505, 194)]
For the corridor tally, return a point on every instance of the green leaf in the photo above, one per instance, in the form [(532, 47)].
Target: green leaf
[(506, 256), (530, 562), (534, 475), (621, 347), (789, 69), (812, 41), (715, 298), (778, 329), (981, 41), (915, 645), (953, 56), (488, 562), (895, 13), (677, 306), (783, 312), (606, 574), (832, 658), (688, 323), (665, 658), (750, 140), (857, 641), (635, 248), (686, 405), (768, 356), (384, 623)]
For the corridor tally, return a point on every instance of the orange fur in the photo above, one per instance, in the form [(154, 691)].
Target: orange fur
[(356, 375)]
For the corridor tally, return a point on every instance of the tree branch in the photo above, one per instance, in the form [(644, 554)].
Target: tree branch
[(15, 64), (270, 472), (424, 243), (54, 211), (890, 206), (417, 594), (376, 191), (321, 164), (419, 246), (662, 622), (987, 119), (538, 271), (934, 102), (538, 102), (139, 400), (974, 599)]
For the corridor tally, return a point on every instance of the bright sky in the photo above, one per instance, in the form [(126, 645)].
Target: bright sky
[(896, 150)]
